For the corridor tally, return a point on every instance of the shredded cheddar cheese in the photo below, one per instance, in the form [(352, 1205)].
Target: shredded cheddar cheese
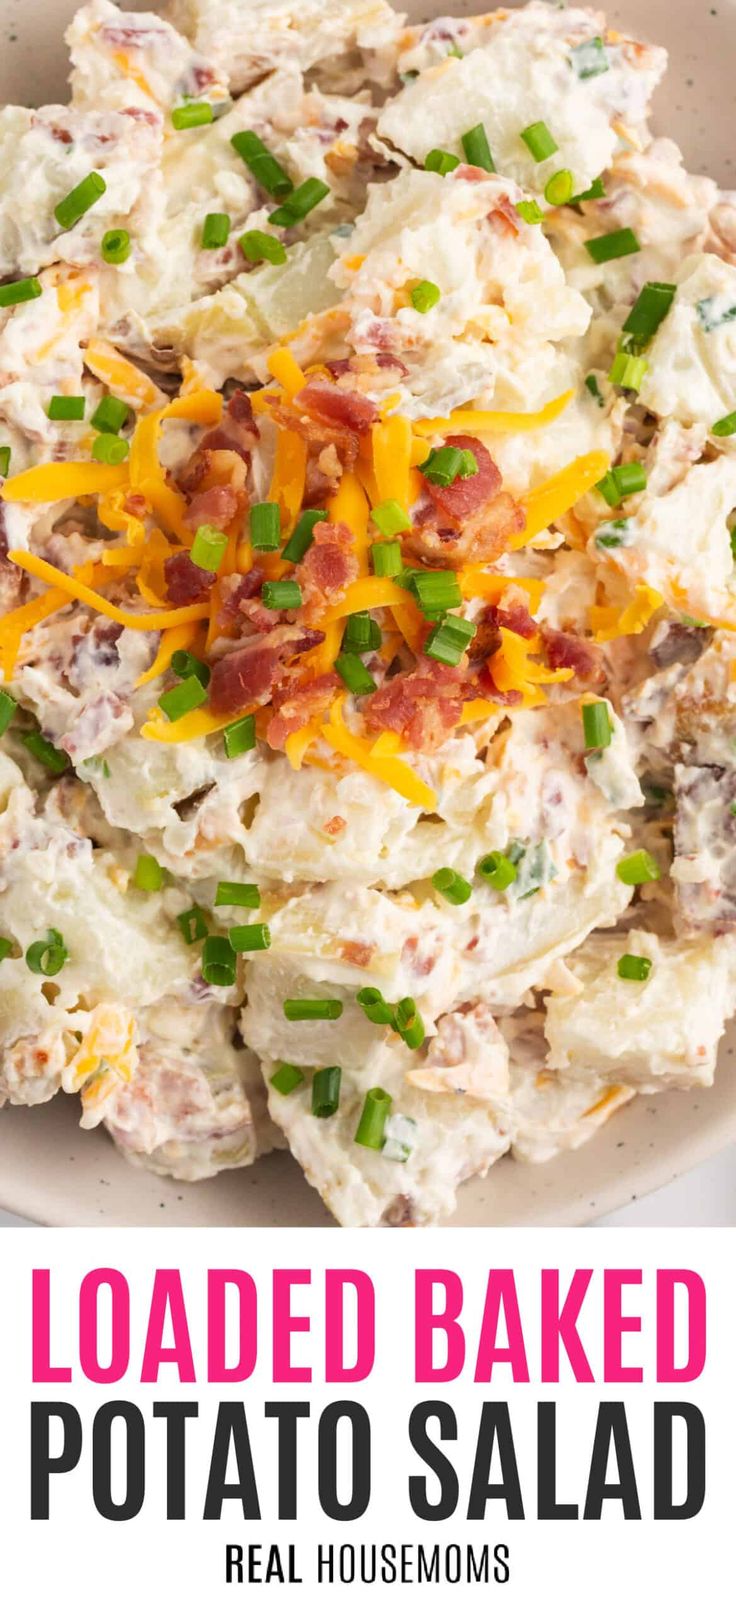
[(552, 498), (478, 419), (388, 769), (154, 621)]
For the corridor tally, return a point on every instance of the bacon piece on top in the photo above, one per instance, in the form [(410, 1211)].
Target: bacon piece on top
[(422, 706), (248, 674)]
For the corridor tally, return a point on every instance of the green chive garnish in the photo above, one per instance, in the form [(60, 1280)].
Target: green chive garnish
[(208, 549), (390, 518), (498, 870), (287, 1078), (591, 383), (619, 243), (372, 1121), (326, 1092), (250, 937), (66, 408), (650, 308), (259, 247), (115, 246), (355, 675), (530, 211), (436, 592), (361, 634), (219, 962), (539, 141), (193, 925), (595, 192), (281, 595), (452, 886), (559, 188), (438, 161), (425, 296), (597, 729), (408, 1023), (239, 737), (192, 115), (477, 150), (302, 536), (264, 167), (184, 664), (186, 696), (444, 465), (109, 449), (110, 415), (215, 231), (6, 947), (448, 641), (302, 201), (373, 1005), (622, 481), (43, 750), (149, 874), (8, 708), (265, 526), (632, 967), (4, 459), (386, 559), (638, 868), (232, 894), (726, 426), (590, 58), (304, 1008), (20, 291), (47, 956), (627, 371), (79, 200)]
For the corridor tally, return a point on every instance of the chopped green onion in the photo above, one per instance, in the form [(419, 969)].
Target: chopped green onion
[(559, 188), (208, 549), (444, 465), (326, 1092), (439, 161), (43, 750), (303, 535), (6, 947), (638, 868), (591, 383), (281, 595), (239, 736), (110, 415), (115, 247), (372, 1121), (250, 937), (186, 696), (650, 308), (259, 247), (71, 208), (622, 481), (66, 408), (219, 962), (193, 924), (627, 371), (436, 591), (452, 885), (498, 870), (8, 708), (425, 296), (631, 967), (597, 728), (264, 167), (386, 559), (109, 449), (192, 116), (390, 518), (47, 956), (355, 675), (215, 231), (712, 313), (287, 1078), (539, 141), (305, 1008), (448, 641), (184, 664), (530, 211), (4, 459), (477, 150), (726, 426), (361, 633), (618, 243), (595, 192), (408, 1023), (375, 1008), (234, 894), (590, 58), (302, 201), (149, 874), (265, 526), (19, 291), (612, 534)]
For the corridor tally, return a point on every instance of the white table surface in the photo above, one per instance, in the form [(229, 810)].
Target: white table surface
[(704, 1196)]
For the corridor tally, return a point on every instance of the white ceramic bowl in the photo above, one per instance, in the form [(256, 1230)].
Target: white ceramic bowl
[(52, 1172)]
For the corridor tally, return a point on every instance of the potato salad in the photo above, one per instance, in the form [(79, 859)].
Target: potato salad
[(367, 593)]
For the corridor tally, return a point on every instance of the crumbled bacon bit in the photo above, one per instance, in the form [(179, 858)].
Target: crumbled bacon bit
[(234, 590), (356, 952), (564, 650), (486, 689), (467, 493), (218, 506), (423, 705), (335, 405), (335, 826), (468, 521), (237, 434), (248, 675), (186, 583), (296, 706), (514, 617), (327, 568)]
